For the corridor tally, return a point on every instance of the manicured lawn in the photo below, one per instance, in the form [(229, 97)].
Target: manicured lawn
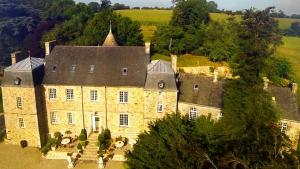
[(189, 60), (291, 50)]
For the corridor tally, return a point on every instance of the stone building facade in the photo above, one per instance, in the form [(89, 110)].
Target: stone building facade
[(86, 87), (114, 87)]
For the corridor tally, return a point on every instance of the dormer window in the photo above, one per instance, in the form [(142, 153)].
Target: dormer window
[(73, 68), (17, 81), (124, 71), (54, 68), (92, 68), (196, 87)]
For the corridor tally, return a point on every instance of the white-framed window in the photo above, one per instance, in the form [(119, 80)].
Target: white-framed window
[(283, 127), (160, 107), (193, 113), (54, 117), (21, 123), (123, 119), (123, 97), (19, 102), (93, 95), (52, 94), (92, 68), (71, 118), (69, 94)]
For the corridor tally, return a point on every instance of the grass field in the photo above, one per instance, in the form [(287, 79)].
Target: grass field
[(188, 60), (291, 50), (150, 19)]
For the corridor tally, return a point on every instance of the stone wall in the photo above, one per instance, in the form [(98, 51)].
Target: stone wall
[(223, 71), (152, 98), (29, 112), (141, 108), (293, 128), (184, 109)]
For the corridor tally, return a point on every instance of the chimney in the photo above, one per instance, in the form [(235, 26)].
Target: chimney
[(15, 57), (216, 73), (294, 88), (49, 46), (147, 47), (174, 62), (266, 83)]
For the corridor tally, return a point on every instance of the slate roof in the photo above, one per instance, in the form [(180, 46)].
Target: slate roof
[(158, 71), (29, 71), (208, 93), (26, 65), (286, 102), (71, 65)]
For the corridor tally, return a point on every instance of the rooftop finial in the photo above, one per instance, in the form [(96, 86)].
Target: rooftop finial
[(110, 26), (110, 39)]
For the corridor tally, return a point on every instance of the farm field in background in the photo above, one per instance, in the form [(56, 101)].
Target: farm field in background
[(291, 50), (151, 18)]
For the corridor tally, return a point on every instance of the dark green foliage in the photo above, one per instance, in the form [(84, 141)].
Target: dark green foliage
[(258, 37), (170, 144), (190, 13), (279, 70), (83, 135), (182, 41), (79, 146), (295, 29), (126, 32), (104, 139), (221, 41), (118, 6), (212, 6)]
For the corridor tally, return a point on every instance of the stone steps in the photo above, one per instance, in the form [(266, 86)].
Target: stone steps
[(90, 151)]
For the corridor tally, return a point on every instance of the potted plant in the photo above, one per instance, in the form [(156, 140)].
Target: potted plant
[(79, 148), (53, 143)]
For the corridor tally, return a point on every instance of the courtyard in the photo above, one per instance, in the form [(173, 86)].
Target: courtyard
[(14, 157)]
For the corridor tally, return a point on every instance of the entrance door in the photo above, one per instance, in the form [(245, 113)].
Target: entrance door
[(95, 120)]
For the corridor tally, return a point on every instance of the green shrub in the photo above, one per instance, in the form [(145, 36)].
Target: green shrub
[(83, 135), (79, 146), (104, 139), (58, 135)]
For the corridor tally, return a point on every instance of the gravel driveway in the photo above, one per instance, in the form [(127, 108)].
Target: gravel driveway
[(13, 157)]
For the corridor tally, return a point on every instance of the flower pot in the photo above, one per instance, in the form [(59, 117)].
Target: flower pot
[(53, 148)]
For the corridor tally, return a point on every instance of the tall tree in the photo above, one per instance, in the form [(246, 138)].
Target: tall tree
[(258, 36), (190, 13), (220, 40), (212, 6)]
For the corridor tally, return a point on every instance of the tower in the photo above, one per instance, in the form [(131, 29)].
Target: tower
[(22, 100)]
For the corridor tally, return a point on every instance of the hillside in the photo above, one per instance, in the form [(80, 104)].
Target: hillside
[(152, 18)]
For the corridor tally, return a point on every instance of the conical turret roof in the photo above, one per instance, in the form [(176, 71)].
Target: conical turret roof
[(110, 39)]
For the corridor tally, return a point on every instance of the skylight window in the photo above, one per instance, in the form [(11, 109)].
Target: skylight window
[(92, 68), (17, 81), (124, 71)]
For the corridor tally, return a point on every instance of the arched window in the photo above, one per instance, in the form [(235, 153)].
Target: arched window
[(193, 113)]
